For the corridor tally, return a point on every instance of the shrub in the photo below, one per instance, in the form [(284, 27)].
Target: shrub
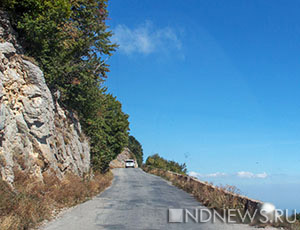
[(155, 161), (32, 201)]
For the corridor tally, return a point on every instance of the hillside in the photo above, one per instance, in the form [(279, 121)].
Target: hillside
[(37, 134)]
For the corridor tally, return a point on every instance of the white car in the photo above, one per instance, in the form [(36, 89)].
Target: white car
[(129, 163)]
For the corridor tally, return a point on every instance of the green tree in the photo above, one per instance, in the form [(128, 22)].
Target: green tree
[(155, 161), (108, 126), (136, 148), (298, 216), (68, 38)]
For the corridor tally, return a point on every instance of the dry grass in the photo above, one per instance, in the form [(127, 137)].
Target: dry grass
[(220, 198), (32, 201), (296, 226), (215, 197)]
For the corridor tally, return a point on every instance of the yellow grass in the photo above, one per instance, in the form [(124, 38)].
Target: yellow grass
[(31, 201)]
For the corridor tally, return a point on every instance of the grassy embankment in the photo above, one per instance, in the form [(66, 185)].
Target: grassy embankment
[(32, 201), (219, 198)]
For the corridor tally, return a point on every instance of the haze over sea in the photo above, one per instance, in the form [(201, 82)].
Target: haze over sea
[(283, 195)]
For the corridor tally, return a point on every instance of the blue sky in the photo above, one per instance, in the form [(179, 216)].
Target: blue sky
[(215, 84)]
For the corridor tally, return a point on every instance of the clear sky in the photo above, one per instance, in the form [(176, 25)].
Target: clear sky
[(215, 84)]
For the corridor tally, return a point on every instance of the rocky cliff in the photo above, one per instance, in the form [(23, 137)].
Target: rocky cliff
[(37, 135), (119, 162)]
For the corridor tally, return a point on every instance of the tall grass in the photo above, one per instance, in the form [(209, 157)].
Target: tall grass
[(30, 201)]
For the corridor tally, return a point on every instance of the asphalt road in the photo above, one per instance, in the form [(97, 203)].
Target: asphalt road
[(136, 200)]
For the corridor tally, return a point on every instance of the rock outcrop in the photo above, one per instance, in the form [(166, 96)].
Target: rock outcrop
[(37, 135), (119, 162)]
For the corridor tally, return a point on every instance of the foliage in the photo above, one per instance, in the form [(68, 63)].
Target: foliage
[(155, 161), (136, 148), (70, 41), (108, 128)]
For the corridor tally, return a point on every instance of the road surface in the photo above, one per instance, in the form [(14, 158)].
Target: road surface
[(136, 200)]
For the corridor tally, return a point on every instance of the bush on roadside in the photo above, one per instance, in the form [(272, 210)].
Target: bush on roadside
[(157, 162), (32, 201)]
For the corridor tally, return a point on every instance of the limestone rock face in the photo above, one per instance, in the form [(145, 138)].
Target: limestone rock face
[(119, 162), (37, 135)]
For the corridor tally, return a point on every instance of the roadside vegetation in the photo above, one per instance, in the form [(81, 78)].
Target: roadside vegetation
[(136, 148), (30, 201), (296, 226), (298, 216), (220, 198), (214, 197), (157, 162)]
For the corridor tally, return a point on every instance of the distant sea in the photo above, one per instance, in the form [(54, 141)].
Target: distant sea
[(283, 192), (283, 196)]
